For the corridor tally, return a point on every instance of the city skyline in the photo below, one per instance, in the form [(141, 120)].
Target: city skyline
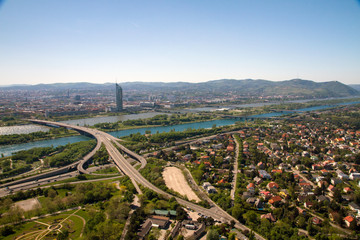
[(52, 42)]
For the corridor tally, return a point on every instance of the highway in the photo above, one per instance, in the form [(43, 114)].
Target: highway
[(104, 138), (36, 183)]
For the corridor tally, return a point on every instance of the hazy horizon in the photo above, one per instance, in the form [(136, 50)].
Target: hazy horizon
[(178, 41), (9, 85)]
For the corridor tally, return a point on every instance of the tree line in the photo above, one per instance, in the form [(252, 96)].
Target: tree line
[(35, 136)]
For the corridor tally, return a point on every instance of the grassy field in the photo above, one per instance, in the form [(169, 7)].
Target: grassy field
[(75, 179), (109, 170), (48, 227)]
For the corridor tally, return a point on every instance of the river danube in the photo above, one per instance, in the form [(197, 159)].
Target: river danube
[(7, 150)]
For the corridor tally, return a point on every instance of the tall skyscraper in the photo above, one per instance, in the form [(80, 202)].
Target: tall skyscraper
[(119, 98)]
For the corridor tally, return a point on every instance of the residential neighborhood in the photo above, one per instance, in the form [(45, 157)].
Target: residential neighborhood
[(309, 169)]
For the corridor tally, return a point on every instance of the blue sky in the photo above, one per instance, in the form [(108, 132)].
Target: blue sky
[(44, 41)]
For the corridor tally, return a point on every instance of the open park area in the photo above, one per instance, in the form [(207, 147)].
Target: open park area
[(70, 224)]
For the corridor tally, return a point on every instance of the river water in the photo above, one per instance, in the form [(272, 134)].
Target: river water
[(7, 150), (249, 105)]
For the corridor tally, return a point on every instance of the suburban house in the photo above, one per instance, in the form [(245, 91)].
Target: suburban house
[(275, 201), (272, 186), (349, 221), (354, 176), (209, 188), (264, 174), (268, 216)]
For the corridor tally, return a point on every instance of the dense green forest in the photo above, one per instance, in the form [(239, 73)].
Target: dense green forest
[(23, 161), (71, 153)]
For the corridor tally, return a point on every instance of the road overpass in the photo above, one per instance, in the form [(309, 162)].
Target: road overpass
[(82, 130), (110, 141)]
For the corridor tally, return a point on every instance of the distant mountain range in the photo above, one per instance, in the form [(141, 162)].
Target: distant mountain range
[(355, 86), (247, 87)]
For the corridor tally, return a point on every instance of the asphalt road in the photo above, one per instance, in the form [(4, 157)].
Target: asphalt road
[(35, 184)]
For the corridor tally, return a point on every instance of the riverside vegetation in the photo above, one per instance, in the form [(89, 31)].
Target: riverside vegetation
[(43, 158), (36, 136)]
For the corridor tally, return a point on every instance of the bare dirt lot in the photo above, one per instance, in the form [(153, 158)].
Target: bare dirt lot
[(28, 204), (175, 180)]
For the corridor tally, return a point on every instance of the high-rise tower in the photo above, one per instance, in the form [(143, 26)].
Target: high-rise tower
[(119, 98)]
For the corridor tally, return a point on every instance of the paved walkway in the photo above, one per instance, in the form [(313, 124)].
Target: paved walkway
[(136, 204)]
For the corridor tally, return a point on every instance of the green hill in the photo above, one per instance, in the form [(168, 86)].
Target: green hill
[(247, 88)]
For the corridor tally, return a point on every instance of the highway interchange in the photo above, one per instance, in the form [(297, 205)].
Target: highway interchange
[(109, 142)]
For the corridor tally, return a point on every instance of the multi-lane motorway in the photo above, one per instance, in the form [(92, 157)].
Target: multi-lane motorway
[(109, 142)]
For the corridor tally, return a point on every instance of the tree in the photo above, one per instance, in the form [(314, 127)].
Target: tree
[(6, 231), (14, 215), (232, 236), (7, 203), (237, 212), (318, 191), (251, 218), (320, 236), (118, 211), (52, 193), (357, 197), (337, 195), (232, 224), (311, 229), (63, 235), (212, 235), (94, 221), (301, 223), (180, 213), (252, 236)]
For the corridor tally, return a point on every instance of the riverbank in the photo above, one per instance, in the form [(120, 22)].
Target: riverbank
[(156, 121), (129, 124), (53, 133), (138, 121), (30, 128), (295, 106), (9, 149), (13, 121), (272, 104), (90, 115)]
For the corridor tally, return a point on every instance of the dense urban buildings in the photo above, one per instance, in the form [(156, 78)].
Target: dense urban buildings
[(83, 98)]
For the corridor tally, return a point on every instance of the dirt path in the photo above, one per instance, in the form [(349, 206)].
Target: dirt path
[(57, 227), (175, 180), (235, 171), (84, 223), (136, 204)]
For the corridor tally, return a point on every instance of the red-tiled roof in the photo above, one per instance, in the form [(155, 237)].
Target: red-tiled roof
[(348, 219), (250, 185), (272, 185), (275, 199)]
